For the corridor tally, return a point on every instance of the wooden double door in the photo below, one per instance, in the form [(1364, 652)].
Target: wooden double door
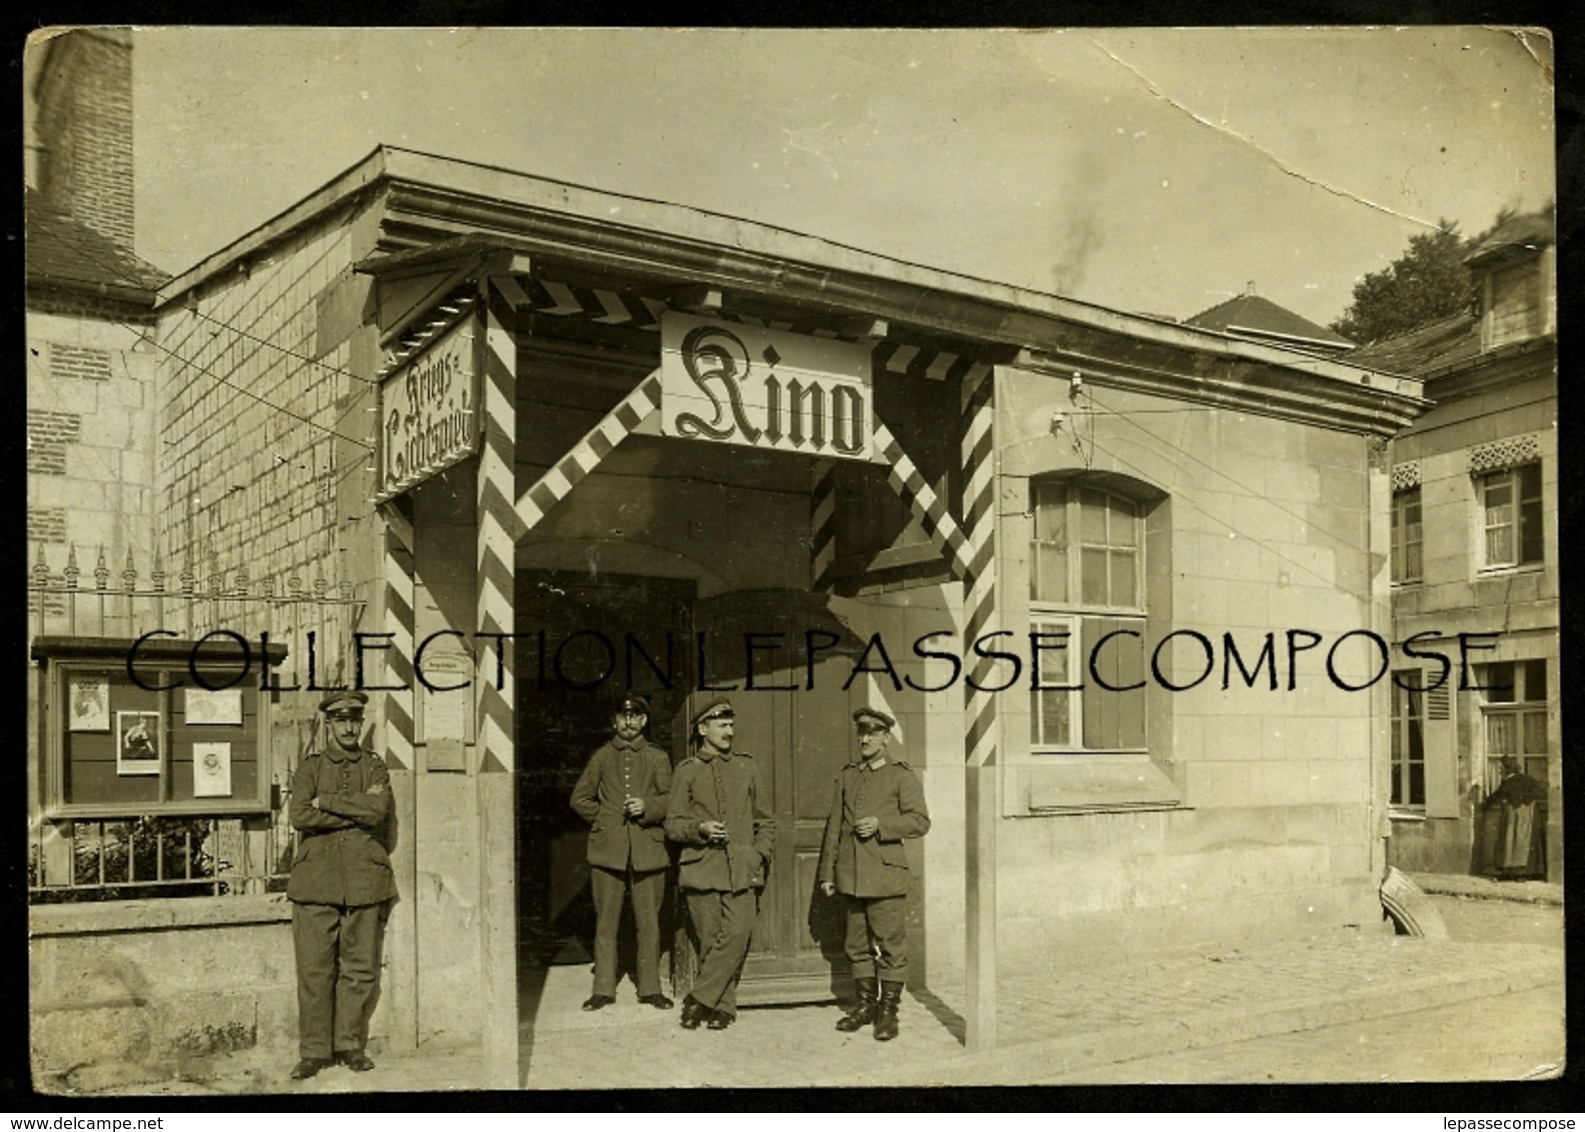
[(753, 652)]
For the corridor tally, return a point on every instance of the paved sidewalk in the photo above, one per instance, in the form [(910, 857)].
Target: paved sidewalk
[(1052, 1023)]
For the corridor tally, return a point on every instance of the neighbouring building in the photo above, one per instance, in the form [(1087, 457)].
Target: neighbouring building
[(531, 442), (1475, 552), (1257, 319)]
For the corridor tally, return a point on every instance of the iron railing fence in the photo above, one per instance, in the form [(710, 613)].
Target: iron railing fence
[(217, 854), (141, 857)]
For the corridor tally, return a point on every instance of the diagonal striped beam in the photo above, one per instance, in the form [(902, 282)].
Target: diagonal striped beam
[(926, 362), (585, 456), (980, 613), (493, 675), (823, 526), (910, 484)]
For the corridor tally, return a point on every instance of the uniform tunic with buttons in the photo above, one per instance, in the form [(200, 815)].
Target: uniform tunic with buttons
[(616, 772), (878, 865), (341, 857), (724, 788)]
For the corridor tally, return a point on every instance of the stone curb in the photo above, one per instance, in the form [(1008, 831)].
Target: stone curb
[(1064, 1060)]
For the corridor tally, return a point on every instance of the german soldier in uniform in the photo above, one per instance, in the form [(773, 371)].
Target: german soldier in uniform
[(340, 885), (718, 815), (878, 803), (622, 795)]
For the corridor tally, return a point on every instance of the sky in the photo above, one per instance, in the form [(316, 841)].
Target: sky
[(1148, 170)]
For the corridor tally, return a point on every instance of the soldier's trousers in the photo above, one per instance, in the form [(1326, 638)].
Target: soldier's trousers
[(338, 975), (723, 924), (877, 925), (608, 886)]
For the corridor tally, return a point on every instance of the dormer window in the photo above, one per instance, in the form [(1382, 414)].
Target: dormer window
[(1515, 266), (1514, 309)]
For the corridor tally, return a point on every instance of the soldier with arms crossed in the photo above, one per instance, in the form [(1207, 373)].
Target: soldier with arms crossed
[(340, 889)]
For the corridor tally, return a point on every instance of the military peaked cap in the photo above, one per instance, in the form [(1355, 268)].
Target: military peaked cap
[(343, 701), (632, 701), (872, 719), (716, 708)]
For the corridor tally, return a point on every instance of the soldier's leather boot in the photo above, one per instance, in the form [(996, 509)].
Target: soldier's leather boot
[(693, 1013), (886, 1011), (863, 1012)]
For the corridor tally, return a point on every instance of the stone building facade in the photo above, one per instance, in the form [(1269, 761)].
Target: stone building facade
[(1475, 552), (1032, 481)]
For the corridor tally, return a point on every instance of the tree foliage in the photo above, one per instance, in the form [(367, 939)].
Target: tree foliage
[(1426, 284)]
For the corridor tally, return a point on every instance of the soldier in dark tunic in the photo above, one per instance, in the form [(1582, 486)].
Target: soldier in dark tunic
[(622, 795), (340, 888), (719, 815), (877, 804)]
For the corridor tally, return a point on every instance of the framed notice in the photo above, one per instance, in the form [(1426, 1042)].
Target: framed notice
[(89, 697), (211, 770), (201, 708), (137, 743)]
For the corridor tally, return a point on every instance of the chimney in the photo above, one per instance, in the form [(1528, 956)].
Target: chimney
[(84, 129)]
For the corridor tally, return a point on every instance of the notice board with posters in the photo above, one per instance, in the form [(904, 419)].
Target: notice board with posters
[(153, 726)]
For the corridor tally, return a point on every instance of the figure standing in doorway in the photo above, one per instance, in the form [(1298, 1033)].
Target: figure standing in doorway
[(718, 814), (877, 805), (622, 794), (340, 889)]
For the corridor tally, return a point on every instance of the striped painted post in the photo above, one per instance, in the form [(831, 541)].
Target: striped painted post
[(979, 514), (910, 484), (823, 526), (397, 708), (980, 731), (600, 441), (496, 558), (495, 680)]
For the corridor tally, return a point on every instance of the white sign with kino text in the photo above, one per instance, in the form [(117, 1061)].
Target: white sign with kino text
[(428, 418), (735, 384)]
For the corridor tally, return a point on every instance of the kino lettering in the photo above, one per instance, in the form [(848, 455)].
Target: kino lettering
[(799, 411)]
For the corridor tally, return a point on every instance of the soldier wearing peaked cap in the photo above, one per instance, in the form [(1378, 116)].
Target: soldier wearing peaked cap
[(878, 803), (340, 888), (719, 814), (622, 795)]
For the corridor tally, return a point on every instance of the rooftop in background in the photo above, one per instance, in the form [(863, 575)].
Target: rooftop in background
[(1513, 263), (65, 254), (1443, 343), (1252, 317)]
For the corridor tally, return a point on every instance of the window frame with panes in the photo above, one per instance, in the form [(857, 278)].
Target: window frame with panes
[(1083, 596), (1408, 752), (1513, 698), (1511, 532), (1408, 537)]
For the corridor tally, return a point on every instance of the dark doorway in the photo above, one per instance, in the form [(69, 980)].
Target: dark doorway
[(582, 641)]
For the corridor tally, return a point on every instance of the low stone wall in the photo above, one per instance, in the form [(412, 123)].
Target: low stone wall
[(144, 990)]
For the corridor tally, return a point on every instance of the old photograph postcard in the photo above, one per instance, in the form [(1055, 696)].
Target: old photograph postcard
[(658, 558)]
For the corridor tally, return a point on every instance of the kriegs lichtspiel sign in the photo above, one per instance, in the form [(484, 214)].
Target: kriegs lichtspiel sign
[(732, 383), (428, 412)]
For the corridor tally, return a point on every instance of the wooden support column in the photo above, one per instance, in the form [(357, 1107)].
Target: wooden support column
[(496, 780), (396, 717), (981, 728)]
